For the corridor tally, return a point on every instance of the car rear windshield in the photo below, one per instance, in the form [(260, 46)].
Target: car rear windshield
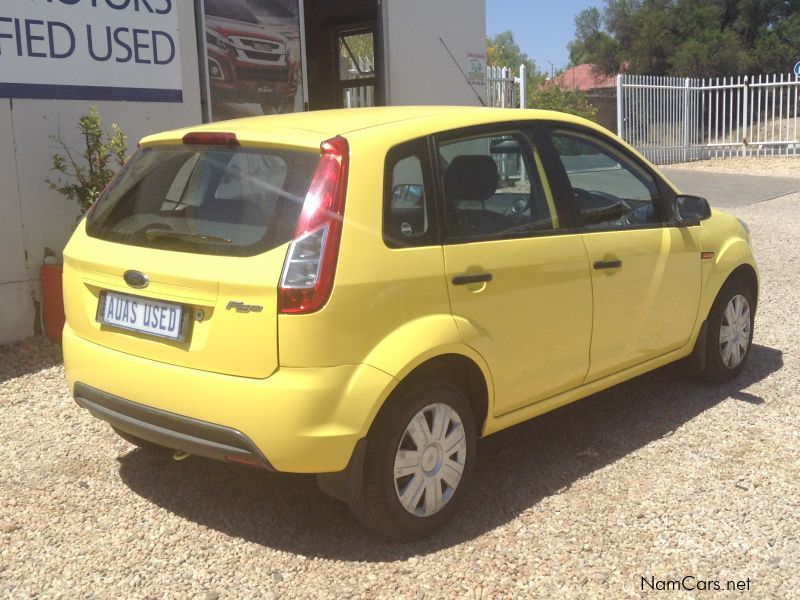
[(206, 200)]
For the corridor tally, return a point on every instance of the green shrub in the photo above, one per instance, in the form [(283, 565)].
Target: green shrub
[(85, 171)]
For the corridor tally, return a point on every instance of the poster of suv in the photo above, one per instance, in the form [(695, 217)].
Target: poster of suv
[(252, 57)]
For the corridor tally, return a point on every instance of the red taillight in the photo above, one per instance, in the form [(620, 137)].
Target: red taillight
[(307, 278), (211, 138)]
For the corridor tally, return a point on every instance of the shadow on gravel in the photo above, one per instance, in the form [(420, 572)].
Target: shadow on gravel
[(516, 469), (28, 356)]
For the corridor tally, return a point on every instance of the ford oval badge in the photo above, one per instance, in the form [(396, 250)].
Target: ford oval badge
[(136, 279)]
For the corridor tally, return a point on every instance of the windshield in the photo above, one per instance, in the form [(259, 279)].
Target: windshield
[(208, 200), (230, 9)]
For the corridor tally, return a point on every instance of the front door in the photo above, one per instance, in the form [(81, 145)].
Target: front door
[(519, 285), (645, 270)]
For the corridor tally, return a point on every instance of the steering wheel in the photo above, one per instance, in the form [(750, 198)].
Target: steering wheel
[(638, 216)]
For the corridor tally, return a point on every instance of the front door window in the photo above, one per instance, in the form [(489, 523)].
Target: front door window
[(611, 192)]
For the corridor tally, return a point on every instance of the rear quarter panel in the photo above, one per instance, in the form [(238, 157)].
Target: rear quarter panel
[(388, 306)]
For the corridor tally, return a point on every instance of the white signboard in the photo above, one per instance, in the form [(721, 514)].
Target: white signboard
[(90, 50), (476, 69)]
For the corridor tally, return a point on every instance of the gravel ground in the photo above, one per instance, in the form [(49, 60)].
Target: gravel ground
[(773, 166), (659, 477)]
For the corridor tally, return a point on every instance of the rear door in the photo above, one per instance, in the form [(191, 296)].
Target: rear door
[(206, 229), (645, 270), (518, 280)]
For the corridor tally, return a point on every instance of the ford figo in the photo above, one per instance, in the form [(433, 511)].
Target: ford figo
[(361, 294)]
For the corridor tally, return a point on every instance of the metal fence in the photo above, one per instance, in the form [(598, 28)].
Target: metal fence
[(359, 97), (358, 81), (502, 87), (672, 119)]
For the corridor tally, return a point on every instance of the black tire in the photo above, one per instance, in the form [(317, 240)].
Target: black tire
[(378, 507), (138, 442), (716, 368)]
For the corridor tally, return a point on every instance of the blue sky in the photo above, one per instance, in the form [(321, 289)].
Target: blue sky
[(541, 28)]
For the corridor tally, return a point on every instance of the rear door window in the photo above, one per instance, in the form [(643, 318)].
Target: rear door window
[(494, 187), (208, 200)]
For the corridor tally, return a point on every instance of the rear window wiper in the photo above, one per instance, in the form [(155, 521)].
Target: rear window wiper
[(154, 234)]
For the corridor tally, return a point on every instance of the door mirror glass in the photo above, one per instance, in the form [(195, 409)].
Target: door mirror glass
[(691, 209)]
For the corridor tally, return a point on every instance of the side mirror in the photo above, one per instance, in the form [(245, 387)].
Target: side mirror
[(690, 210)]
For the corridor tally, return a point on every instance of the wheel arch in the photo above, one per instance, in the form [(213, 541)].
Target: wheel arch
[(459, 364), (432, 344), (733, 261), (743, 271), (459, 369), (747, 274)]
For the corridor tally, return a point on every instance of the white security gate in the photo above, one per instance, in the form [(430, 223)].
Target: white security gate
[(670, 119), (503, 89)]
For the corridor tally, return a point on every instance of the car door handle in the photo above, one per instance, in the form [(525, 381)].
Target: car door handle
[(607, 264), (466, 279)]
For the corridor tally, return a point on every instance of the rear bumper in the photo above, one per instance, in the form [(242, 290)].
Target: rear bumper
[(297, 420), (170, 430)]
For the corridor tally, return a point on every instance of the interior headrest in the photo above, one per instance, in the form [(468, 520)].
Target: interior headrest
[(471, 178)]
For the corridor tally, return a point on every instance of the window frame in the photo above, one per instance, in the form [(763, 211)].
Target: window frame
[(394, 155), (529, 131), (665, 194)]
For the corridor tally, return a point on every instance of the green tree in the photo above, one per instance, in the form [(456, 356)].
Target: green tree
[(88, 169), (593, 45), (774, 46), (549, 95), (701, 38), (503, 51)]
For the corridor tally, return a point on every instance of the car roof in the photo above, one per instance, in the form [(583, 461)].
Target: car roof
[(391, 123)]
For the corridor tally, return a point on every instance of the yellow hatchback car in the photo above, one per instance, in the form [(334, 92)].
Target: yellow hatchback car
[(361, 294)]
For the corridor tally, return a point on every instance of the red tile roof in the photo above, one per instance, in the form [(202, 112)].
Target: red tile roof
[(581, 77)]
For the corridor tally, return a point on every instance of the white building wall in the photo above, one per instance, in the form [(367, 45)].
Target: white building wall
[(16, 304), (419, 69), (32, 216)]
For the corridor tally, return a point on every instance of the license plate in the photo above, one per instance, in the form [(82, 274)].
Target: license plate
[(134, 313), (264, 89), (262, 47)]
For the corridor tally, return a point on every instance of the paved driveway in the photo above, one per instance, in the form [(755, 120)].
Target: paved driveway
[(728, 191)]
